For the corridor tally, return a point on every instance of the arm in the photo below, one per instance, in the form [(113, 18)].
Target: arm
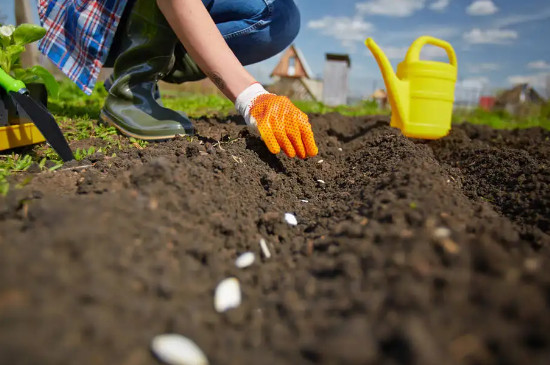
[(197, 31), (280, 123)]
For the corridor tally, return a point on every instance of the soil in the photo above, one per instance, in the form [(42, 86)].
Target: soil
[(406, 252)]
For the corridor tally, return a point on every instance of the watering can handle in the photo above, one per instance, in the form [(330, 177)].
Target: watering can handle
[(414, 52)]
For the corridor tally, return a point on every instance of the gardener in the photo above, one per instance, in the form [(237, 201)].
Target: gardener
[(178, 41)]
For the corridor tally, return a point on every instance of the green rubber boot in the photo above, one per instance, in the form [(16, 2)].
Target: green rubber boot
[(146, 55), (184, 69)]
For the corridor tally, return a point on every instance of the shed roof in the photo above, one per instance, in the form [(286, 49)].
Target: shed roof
[(301, 60), (339, 57)]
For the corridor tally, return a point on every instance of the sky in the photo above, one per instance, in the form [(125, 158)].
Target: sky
[(498, 42)]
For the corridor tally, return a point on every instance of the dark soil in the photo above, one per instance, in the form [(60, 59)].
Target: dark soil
[(96, 261)]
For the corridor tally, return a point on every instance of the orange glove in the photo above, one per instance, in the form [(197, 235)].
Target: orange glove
[(281, 124)]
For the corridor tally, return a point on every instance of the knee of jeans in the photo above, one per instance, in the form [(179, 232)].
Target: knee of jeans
[(285, 24)]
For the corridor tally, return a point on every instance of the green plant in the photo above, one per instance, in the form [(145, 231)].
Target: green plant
[(12, 43), (138, 142), (82, 153), (8, 165)]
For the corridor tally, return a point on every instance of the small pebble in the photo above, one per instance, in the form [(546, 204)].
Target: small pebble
[(174, 349), (265, 249), (245, 260), (442, 233), (321, 181), (531, 264), (291, 219), (228, 295)]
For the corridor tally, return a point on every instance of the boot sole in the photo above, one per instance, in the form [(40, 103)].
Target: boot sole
[(105, 117)]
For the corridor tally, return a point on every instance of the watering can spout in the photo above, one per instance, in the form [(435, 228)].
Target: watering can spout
[(398, 90)]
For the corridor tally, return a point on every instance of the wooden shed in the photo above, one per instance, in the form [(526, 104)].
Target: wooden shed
[(335, 88), (294, 78), (522, 99)]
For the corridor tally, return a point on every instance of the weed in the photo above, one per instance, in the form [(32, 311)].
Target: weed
[(10, 164), (81, 153), (139, 143)]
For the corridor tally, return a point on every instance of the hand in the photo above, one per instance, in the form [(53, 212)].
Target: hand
[(281, 124)]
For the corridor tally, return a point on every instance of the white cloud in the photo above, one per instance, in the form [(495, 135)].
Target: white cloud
[(395, 53), (477, 83), (538, 81), (345, 29), (482, 7), (539, 65), (522, 18), (440, 5), (483, 67), (435, 30), (395, 8), (433, 53), (490, 36)]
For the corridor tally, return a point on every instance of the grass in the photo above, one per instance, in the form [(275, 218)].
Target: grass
[(78, 116), (196, 105), (501, 119), (362, 108)]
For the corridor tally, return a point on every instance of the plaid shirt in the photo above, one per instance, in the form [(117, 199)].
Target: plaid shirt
[(79, 35)]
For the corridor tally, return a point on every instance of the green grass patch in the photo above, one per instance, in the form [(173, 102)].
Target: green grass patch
[(361, 108), (500, 119), (196, 105)]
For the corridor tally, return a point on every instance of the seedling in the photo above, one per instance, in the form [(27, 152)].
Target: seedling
[(12, 43)]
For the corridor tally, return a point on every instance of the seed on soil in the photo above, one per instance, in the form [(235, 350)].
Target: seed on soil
[(442, 233), (321, 181), (174, 349), (340, 149), (245, 260), (320, 161), (304, 201), (291, 219), (265, 249), (228, 295)]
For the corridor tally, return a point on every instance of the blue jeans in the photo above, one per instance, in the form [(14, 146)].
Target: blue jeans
[(255, 29)]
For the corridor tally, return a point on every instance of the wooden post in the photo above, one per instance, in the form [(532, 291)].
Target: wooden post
[(23, 14)]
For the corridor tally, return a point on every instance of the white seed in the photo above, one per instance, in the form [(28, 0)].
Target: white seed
[(304, 201), (321, 181), (339, 149), (245, 260), (265, 249), (442, 233), (174, 349), (291, 219), (320, 161), (228, 295)]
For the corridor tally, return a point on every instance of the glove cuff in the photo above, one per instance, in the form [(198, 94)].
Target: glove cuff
[(245, 99)]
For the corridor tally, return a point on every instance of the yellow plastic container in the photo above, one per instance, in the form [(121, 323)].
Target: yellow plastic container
[(421, 94), (19, 135)]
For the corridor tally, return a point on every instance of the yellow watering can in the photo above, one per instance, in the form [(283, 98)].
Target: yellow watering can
[(422, 93)]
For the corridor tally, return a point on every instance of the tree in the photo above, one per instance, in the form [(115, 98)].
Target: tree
[(23, 14)]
